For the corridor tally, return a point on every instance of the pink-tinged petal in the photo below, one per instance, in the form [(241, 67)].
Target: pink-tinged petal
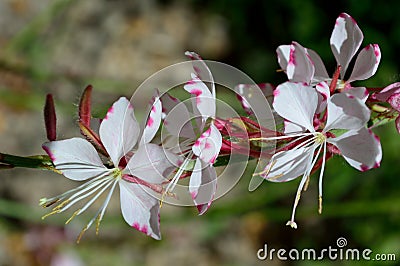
[(397, 123), (320, 73), (296, 103), (203, 186), (247, 91), (204, 100), (300, 68), (358, 92), (323, 96), (195, 179), (287, 165), (360, 148), (119, 130), (153, 121), (139, 209), (76, 158), (177, 118), (208, 145), (367, 63), (152, 163), (345, 40), (202, 71), (390, 94), (346, 112), (283, 53)]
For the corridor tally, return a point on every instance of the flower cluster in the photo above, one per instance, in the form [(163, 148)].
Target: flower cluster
[(318, 116)]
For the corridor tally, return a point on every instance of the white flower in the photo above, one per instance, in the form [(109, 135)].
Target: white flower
[(311, 130), (202, 147), (119, 132), (305, 65)]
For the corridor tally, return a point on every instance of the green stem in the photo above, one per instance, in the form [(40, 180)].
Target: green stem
[(38, 161)]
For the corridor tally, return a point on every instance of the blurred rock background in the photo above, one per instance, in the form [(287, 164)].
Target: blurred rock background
[(61, 46)]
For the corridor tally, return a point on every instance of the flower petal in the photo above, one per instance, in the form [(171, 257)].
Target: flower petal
[(345, 40), (320, 73), (283, 53), (202, 71), (177, 118), (292, 127), (360, 148), (323, 96), (397, 123), (152, 163), (390, 94), (119, 130), (208, 145), (204, 100), (297, 103), (367, 63), (247, 91), (153, 121), (288, 165), (358, 92), (76, 158), (139, 209), (203, 186), (300, 68), (346, 112)]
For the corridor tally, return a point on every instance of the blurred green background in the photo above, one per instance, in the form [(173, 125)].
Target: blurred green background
[(61, 46)]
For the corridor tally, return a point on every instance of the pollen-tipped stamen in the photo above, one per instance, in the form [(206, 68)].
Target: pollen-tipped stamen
[(320, 204), (73, 216)]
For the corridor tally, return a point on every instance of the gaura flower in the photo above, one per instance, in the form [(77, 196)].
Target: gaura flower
[(119, 132), (202, 139), (299, 104), (305, 65)]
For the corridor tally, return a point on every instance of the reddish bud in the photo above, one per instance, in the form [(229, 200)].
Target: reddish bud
[(85, 106), (50, 119)]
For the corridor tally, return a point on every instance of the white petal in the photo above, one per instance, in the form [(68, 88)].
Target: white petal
[(346, 112), (247, 91), (361, 148), (177, 120), (208, 145), (204, 186), (345, 40), (153, 121), (202, 71), (367, 63), (320, 73), (152, 163), (300, 68), (195, 179), (139, 209), (288, 165), (119, 130), (297, 103), (204, 100), (283, 53), (323, 96), (292, 127), (358, 92), (76, 158)]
